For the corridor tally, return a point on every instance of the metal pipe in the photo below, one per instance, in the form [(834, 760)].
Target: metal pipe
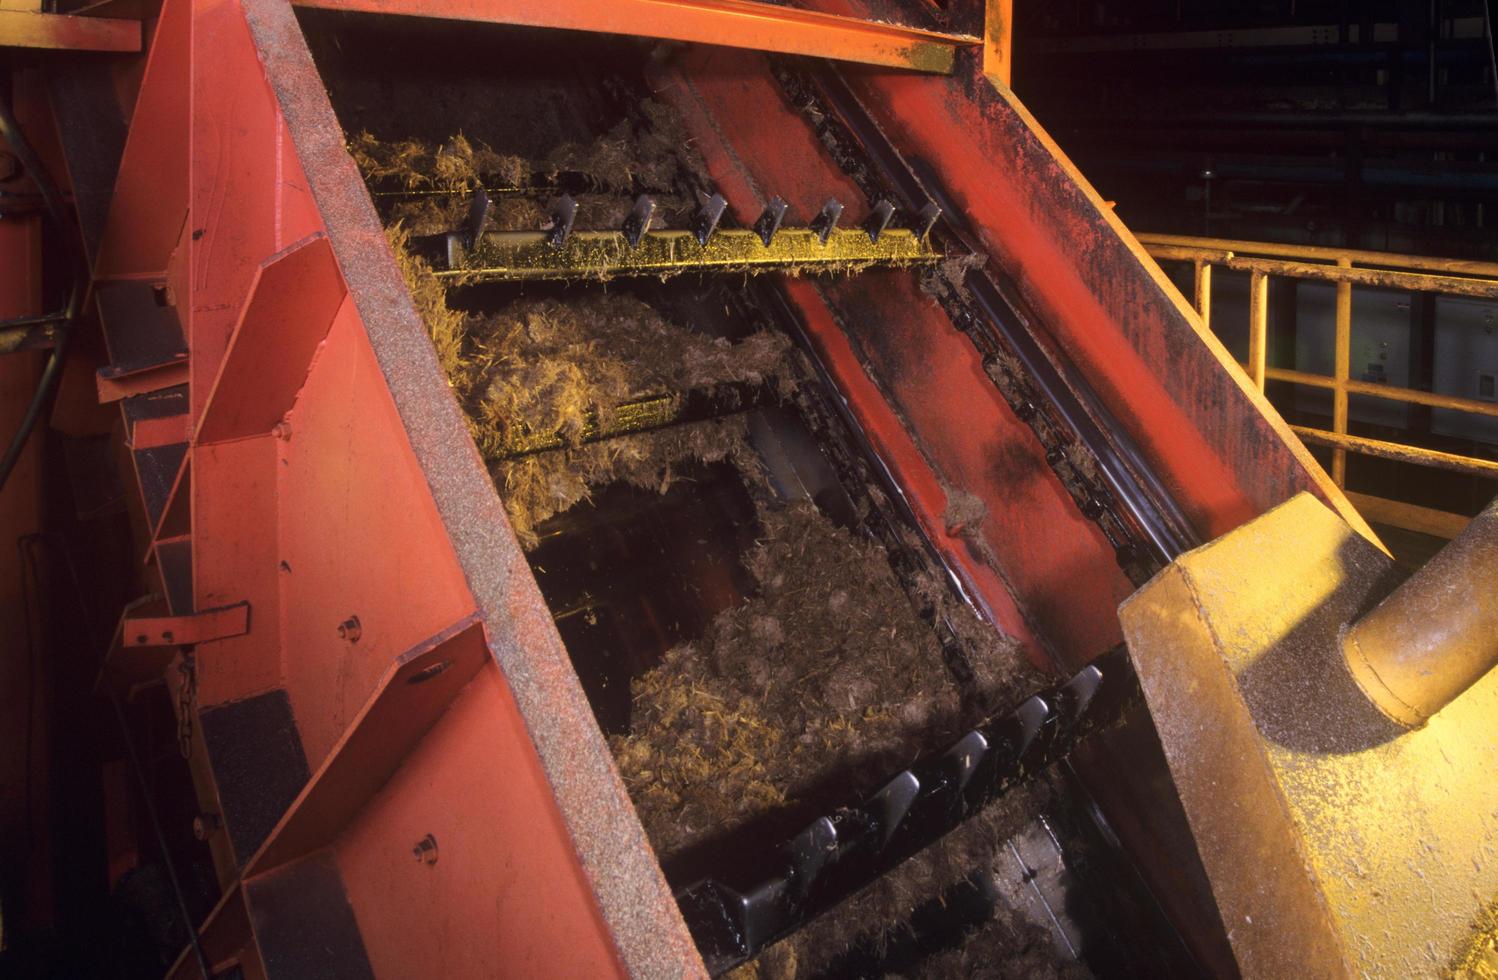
[(1392, 393), (1416, 282), (1400, 452), (10, 133), (1219, 249), (1437, 634)]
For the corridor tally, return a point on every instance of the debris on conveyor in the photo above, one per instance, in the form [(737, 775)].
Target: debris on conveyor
[(825, 682), (552, 367), (426, 187), (831, 676), (875, 924), (544, 366)]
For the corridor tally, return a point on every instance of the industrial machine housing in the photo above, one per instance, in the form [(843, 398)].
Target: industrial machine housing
[(371, 679)]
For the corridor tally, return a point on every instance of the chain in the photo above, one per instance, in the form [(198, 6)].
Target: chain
[(1069, 457), (187, 688)]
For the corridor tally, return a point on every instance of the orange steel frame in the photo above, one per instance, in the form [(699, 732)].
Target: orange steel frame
[(329, 487)]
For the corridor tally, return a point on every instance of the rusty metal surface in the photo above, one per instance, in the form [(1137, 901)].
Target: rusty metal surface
[(1437, 635), (633, 899), (734, 23), (1338, 844)]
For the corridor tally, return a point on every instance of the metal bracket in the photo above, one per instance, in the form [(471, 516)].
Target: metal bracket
[(219, 623)]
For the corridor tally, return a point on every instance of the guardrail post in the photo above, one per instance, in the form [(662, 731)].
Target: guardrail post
[(1343, 355), (1258, 326), (1203, 298)]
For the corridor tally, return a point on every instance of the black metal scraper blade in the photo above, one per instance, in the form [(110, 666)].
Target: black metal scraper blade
[(838, 854)]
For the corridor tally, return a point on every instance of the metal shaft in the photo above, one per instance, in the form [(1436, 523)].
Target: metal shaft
[(1437, 634)]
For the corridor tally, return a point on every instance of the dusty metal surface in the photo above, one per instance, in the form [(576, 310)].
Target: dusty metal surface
[(1437, 635), (632, 898), (1337, 843)]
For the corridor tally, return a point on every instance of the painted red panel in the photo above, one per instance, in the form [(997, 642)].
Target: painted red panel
[(1056, 583), (149, 205), (236, 558), (359, 536), (505, 897)]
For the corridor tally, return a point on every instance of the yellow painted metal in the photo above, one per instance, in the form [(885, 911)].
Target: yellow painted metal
[(1418, 282), (998, 40), (1388, 392), (1258, 327), (750, 24), (1397, 513), (1391, 260), (607, 254), (64, 32), (1417, 455), (1342, 356), (1341, 267), (1437, 634), (1202, 281), (1337, 843)]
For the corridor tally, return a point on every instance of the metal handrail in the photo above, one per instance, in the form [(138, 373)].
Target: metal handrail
[(1344, 268)]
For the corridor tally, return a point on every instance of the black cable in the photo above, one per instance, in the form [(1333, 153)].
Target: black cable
[(10, 132), (135, 763)]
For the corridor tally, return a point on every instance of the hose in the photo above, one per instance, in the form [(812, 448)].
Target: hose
[(11, 133)]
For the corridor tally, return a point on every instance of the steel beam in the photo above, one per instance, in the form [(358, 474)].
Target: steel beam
[(732, 23), (63, 32)]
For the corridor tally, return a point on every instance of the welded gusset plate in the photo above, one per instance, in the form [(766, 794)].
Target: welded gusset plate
[(609, 254), (835, 855)]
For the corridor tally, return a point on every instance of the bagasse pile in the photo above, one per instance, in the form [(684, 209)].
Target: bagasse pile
[(826, 673), (549, 366), (651, 155)]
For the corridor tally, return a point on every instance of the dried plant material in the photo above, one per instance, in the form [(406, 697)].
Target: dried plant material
[(446, 326), (1479, 961), (649, 154), (653, 154), (828, 673), (534, 488), (947, 280), (457, 165), (965, 511), (552, 367)]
